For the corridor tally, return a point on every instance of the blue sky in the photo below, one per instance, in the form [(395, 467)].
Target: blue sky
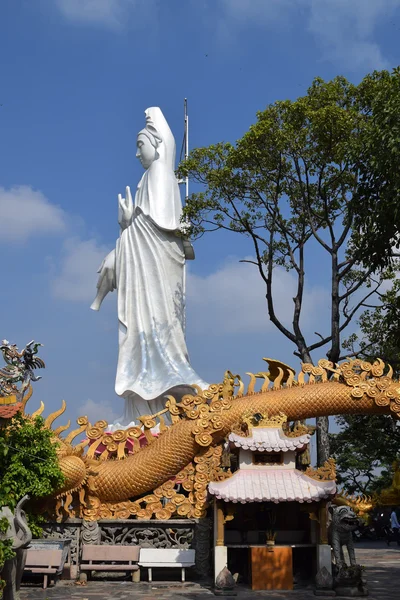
[(76, 77)]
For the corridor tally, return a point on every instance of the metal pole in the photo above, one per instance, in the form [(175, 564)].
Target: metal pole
[(186, 134), (186, 146)]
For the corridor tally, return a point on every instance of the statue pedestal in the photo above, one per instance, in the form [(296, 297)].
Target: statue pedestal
[(349, 583), (324, 557)]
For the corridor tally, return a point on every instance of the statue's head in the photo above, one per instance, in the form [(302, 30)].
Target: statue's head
[(146, 149), (344, 518), (155, 141)]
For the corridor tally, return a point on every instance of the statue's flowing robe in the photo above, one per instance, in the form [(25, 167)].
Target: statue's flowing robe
[(150, 262)]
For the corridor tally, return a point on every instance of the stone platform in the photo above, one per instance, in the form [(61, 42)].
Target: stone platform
[(382, 573)]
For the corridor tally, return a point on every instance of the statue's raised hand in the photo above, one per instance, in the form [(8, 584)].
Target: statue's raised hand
[(125, 208)]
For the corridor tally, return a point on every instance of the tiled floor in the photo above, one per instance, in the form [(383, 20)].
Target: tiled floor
[(382, 572)]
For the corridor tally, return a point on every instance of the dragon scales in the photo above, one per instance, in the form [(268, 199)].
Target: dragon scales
[(190, 449)]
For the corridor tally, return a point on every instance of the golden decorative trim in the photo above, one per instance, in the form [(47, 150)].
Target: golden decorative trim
[(275, 367), (5, 400), (299, 430), (360, 504), (26, 396), (254, 420), (39, 411), (53, 416), (327, 472)]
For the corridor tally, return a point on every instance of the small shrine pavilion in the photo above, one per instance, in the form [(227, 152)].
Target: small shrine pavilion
[(271, 514)]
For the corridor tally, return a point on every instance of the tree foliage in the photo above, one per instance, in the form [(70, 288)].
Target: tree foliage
[(375, 203), (367, 446), (28, 465), (289, 184), (379, 329), (365, 451), (29, 462)]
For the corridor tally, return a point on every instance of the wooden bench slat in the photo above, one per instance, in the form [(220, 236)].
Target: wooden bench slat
[(97, 557), (166, 555), (41, 570), (110, 553), (168, 558), (44, 562), (45, 558), (165, 564), (107, 567)]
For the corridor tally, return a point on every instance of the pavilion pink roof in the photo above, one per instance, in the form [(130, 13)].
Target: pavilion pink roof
[(269, 439), (8, 411), (264, 484)]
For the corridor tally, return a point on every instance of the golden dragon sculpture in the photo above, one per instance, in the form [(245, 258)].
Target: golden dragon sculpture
[(132, 472)]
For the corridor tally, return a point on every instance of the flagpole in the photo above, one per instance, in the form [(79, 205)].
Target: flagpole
[(186, 181), (186, 134)]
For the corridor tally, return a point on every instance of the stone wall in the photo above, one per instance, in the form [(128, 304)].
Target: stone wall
[(174, 533)]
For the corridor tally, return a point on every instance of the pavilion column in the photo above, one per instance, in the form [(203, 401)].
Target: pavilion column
[(323, 523), (324, 552), (220, 529), (220, 550)]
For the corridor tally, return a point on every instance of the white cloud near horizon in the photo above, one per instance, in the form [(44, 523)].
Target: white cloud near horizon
[(254, 10), (77, 274), (228, 300), (95, 410), (111, 14), (343, 29), (25, 213), (231, 300)]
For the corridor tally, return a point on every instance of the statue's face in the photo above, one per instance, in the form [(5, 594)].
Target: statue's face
[(345, 518), (146, 152)]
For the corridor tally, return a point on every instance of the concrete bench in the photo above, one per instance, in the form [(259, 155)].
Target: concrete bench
[(110, 558), (46, 562), (166, 557)]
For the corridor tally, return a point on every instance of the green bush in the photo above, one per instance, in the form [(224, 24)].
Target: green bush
[(28, 465)]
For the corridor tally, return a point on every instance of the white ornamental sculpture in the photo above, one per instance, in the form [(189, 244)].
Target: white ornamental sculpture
[(147, 270)]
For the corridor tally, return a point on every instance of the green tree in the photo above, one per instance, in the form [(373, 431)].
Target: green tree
[(367, 446), (376, 200), (28, 465), (379, 329), (365, 450), (287, 185)]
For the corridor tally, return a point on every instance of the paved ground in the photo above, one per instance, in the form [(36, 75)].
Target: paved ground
[(382, 573)]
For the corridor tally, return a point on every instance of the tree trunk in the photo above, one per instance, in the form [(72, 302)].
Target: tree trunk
[(322, 440), (323, 450), (322, 423)]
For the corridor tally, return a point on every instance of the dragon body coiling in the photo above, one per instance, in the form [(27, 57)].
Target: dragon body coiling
[(174, 449), (205, 420)]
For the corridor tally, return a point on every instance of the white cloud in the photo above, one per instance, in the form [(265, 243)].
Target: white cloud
[(232, 300), (229, 300), (343, 29), (108, 13), (259, 11), (95, 411), (77, 276), (25, 212)]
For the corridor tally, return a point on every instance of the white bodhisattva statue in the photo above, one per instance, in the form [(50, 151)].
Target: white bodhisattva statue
[(147, 269)]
